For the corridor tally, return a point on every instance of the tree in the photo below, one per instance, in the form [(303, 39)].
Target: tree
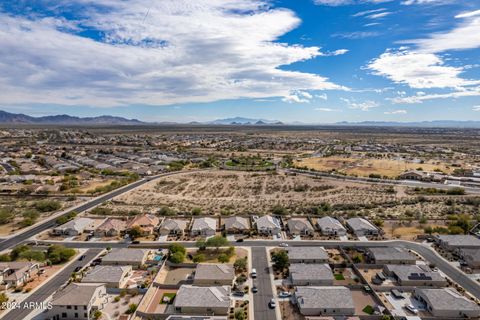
[(32, 255), (199, 258), (217, 242), (135, 232), (279, 210), (59, 254), (15, 253), (201, 244), (240, 264), (357, 258), (131, 308), (177, 257), (3, 298), (97, 314), (5, 257), (176, 247), (280, 260), (239, 314), (47, 205)]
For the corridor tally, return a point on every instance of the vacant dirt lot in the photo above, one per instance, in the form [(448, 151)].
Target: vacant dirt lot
[(247, 193), (363, 167)]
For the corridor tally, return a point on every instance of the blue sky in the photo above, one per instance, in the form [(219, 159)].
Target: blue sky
[(313, 61)]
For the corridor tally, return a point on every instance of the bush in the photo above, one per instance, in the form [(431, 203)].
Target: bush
[(47, 205), (131, 308), (6, 215), (223, 258), (59, 254), (177, 257), (240, 264), (174, 248), (199, 258)]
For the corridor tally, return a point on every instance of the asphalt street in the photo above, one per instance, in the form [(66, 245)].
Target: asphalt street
[(264, 294), (50, 287)]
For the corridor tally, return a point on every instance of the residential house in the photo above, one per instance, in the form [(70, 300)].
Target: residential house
[(391, 255), (237, 225), (111, 227), (77, 301), (194, 300), (111, 276), (208, 274), (126, 257), (331, 227), (300, 226), (268, 225), (471, 256), (146, 222), (414, 275), (16, 273), (362, 227), (447, 303), (319, 301), (173, 227), (74, 227), (310, 274), (456, 242), (307, 255), (204, 227)]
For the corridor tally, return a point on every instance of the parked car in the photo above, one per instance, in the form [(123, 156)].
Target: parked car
[(272, 304), (240, 240), (77, 269), (411, 308), (238, 293), (284, 294), (254, 288), (283, 244), (82, 257), (367, 289), (254, 273), (135, 242)]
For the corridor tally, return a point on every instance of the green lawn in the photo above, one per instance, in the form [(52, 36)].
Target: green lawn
[(339, 276), (368, 309), (171, 296)]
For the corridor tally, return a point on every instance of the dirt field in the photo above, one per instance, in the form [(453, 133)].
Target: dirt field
[(246, 193), (363, 167)]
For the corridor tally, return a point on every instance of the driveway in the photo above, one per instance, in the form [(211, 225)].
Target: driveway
[(264, 285)]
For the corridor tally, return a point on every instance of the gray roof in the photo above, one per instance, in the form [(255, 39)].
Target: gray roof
[(412, 272), (267, 222), (79, 294), (307, 253), (178, 317), (299, 224), (106, 274), (78, 224), (360, 224), (214, 271), (204, 223), (324, 297), (447, 299), (192, 296), (393, 254), (240, 223), (310, 271), (460, 240), (471, 254), (126, 254), (174, 224), (329, 223)]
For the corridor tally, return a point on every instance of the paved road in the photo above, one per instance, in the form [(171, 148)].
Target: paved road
[(264, 285), (17, 239), (50, 287)]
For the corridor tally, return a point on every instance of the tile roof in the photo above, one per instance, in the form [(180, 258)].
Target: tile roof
[(192, 296), (328, 297)]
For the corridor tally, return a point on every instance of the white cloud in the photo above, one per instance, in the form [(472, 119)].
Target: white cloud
[(378, 15), (322, 96), (464, 36), (474, 92), (298, 97), (436, 2), (396, 112), (368, 12), (364, 106), (335, 3), (356, 34), (326, 109), (418, 70), (181, 51), (476, 108)]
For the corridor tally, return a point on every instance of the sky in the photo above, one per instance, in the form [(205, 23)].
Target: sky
[(310, 61)]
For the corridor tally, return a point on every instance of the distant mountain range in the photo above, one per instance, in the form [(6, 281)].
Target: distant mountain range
[(7, 117), (244, 121), (420, 124), (18, 118)]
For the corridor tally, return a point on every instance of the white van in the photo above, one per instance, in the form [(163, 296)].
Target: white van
[(254, 273)]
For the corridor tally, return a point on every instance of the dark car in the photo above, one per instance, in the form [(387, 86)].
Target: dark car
[(238, 293), (135, 242), (77, 269), (82, 257), (254, 289), (240, 240)]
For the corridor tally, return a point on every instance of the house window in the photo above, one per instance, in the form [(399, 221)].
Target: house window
[(84, 307), (64, 315), (69, 307), (76, 307), (85, 315), (76, 315)]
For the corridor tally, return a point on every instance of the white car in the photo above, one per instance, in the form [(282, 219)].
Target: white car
[(411, 308), (283, 244), (272, 304)]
